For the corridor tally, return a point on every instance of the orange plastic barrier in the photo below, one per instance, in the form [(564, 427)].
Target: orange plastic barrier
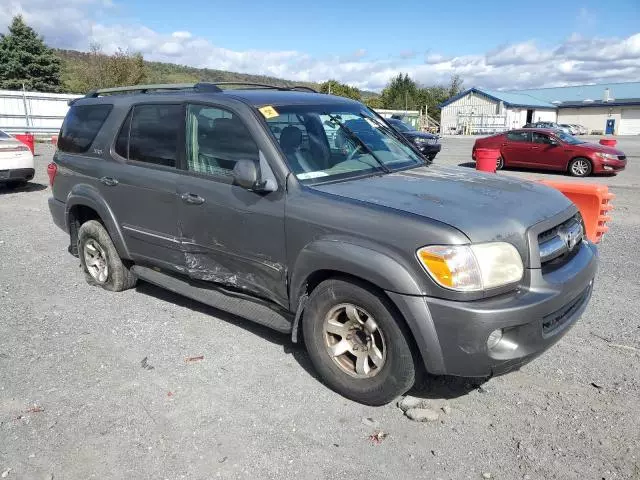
[(608, 142), (593, 201)]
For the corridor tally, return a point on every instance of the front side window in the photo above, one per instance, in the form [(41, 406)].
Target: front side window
[(518, 136), (150, 134), (216, 140), (540, 138), (80, 127), (333, 142)]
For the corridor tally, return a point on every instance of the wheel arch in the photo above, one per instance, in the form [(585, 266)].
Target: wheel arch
[(85, 203)]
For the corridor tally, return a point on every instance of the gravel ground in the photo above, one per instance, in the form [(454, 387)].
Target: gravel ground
[(96, 385)]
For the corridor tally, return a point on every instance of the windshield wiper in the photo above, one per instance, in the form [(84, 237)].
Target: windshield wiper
[(363, 145)]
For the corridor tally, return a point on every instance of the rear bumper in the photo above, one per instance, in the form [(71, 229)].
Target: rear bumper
[(532, 319), (17, 174), (57, 209)]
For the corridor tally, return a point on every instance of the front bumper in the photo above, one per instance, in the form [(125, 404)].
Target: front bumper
[(532, 319), (17, 175), (609, 166)]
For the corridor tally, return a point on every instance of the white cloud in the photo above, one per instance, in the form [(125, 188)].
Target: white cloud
[(578, 59)]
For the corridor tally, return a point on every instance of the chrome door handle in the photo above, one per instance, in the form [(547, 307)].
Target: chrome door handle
[(192, 199), (109, 181)]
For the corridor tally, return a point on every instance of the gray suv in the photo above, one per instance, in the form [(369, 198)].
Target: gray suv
[(309, 214)]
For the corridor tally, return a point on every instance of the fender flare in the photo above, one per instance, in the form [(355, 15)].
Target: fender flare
[(379, 269), (86, 195)]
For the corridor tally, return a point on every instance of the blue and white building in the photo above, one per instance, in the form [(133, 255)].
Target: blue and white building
[(612, 108)]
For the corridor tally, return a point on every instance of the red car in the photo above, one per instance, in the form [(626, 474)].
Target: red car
[(545, 149)]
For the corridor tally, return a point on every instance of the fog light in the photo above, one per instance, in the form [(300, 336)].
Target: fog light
[(607, 167), (494, 338)]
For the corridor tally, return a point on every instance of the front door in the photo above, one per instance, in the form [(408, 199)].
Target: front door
[(546, 153), (231, 236), (516, 148), (140, 186)]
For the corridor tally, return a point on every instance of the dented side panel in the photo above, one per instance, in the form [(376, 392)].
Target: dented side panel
[(235, 238)]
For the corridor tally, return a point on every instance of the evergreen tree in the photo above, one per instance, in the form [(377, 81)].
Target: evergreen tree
[(25, 59)]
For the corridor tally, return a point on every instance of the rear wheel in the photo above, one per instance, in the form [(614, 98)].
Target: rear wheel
[(100, 260), (357, 343), (580, 167)]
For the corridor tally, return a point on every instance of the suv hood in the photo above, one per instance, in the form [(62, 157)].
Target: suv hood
[(419, 135), (485, 207)]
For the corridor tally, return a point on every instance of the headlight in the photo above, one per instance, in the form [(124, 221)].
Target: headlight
[(608, 156), (469, 268), (420, 140)]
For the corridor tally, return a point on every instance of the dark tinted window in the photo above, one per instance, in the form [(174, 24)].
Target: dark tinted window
[(540, 138), (80, 127), (4, 135), (518, 136), (154, 133), (216, 139)]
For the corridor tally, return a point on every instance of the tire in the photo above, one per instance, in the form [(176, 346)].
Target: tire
[(580, 167), (431, 157), (500, 163), (397, 371), (116, 277)]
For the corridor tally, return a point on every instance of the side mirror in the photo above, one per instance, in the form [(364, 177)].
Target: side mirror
[(245, 175), (553, 142)]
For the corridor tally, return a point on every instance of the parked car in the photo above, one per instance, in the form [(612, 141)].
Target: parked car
[(428, 143), (16, 162), (572, 129), (545, 149), (550, 126), (581, 130), (383, 264)]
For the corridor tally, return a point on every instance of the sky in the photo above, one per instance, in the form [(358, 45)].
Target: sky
[(493, 44)]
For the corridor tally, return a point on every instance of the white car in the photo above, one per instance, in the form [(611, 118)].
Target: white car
[(16, 161)]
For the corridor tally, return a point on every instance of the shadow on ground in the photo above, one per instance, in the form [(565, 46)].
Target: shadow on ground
[(531, 170), (446, 387), (23, 188), (296, 350)]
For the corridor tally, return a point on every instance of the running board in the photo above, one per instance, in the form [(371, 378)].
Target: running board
[(237, 304)]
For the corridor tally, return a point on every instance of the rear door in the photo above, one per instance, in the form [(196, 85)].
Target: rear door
[(232, 236), (516, 148), (141, 185)]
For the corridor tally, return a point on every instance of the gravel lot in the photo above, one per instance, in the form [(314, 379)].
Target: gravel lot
[(95, 384)]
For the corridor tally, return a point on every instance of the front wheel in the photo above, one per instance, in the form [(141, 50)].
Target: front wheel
[(500, 163), (580, 167), (357, 343)]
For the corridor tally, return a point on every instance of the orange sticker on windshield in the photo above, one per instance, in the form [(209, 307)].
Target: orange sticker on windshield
[(268, 111)]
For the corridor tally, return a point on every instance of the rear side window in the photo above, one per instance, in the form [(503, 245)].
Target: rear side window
[(80, 127), (518, 136), (150, 134)]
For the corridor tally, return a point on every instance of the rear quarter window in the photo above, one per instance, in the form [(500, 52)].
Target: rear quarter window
[(80, 127)]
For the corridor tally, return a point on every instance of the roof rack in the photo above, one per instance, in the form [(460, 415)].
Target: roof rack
[(201, 87), (204, 87)]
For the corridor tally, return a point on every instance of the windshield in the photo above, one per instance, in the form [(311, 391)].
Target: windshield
[(403, 127), (566, 138), (333, 142)]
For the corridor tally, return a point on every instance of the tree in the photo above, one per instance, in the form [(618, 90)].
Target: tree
[(26, 60), (374, 102), (455, 85), (401, 93), (99, 70), (334, 87)]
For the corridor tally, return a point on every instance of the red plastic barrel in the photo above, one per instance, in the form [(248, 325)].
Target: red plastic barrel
[(608, 142), (28, 139), (487, 159)]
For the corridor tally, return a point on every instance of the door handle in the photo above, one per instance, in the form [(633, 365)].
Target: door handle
[(109, 181), (192, 199)]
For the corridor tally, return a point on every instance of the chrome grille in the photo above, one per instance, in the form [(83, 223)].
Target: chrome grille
[(558, 244)]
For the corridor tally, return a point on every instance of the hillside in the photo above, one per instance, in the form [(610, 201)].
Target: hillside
[(157, 72)]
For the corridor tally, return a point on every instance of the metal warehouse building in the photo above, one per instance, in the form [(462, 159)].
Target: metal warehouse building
[(612, 108)]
